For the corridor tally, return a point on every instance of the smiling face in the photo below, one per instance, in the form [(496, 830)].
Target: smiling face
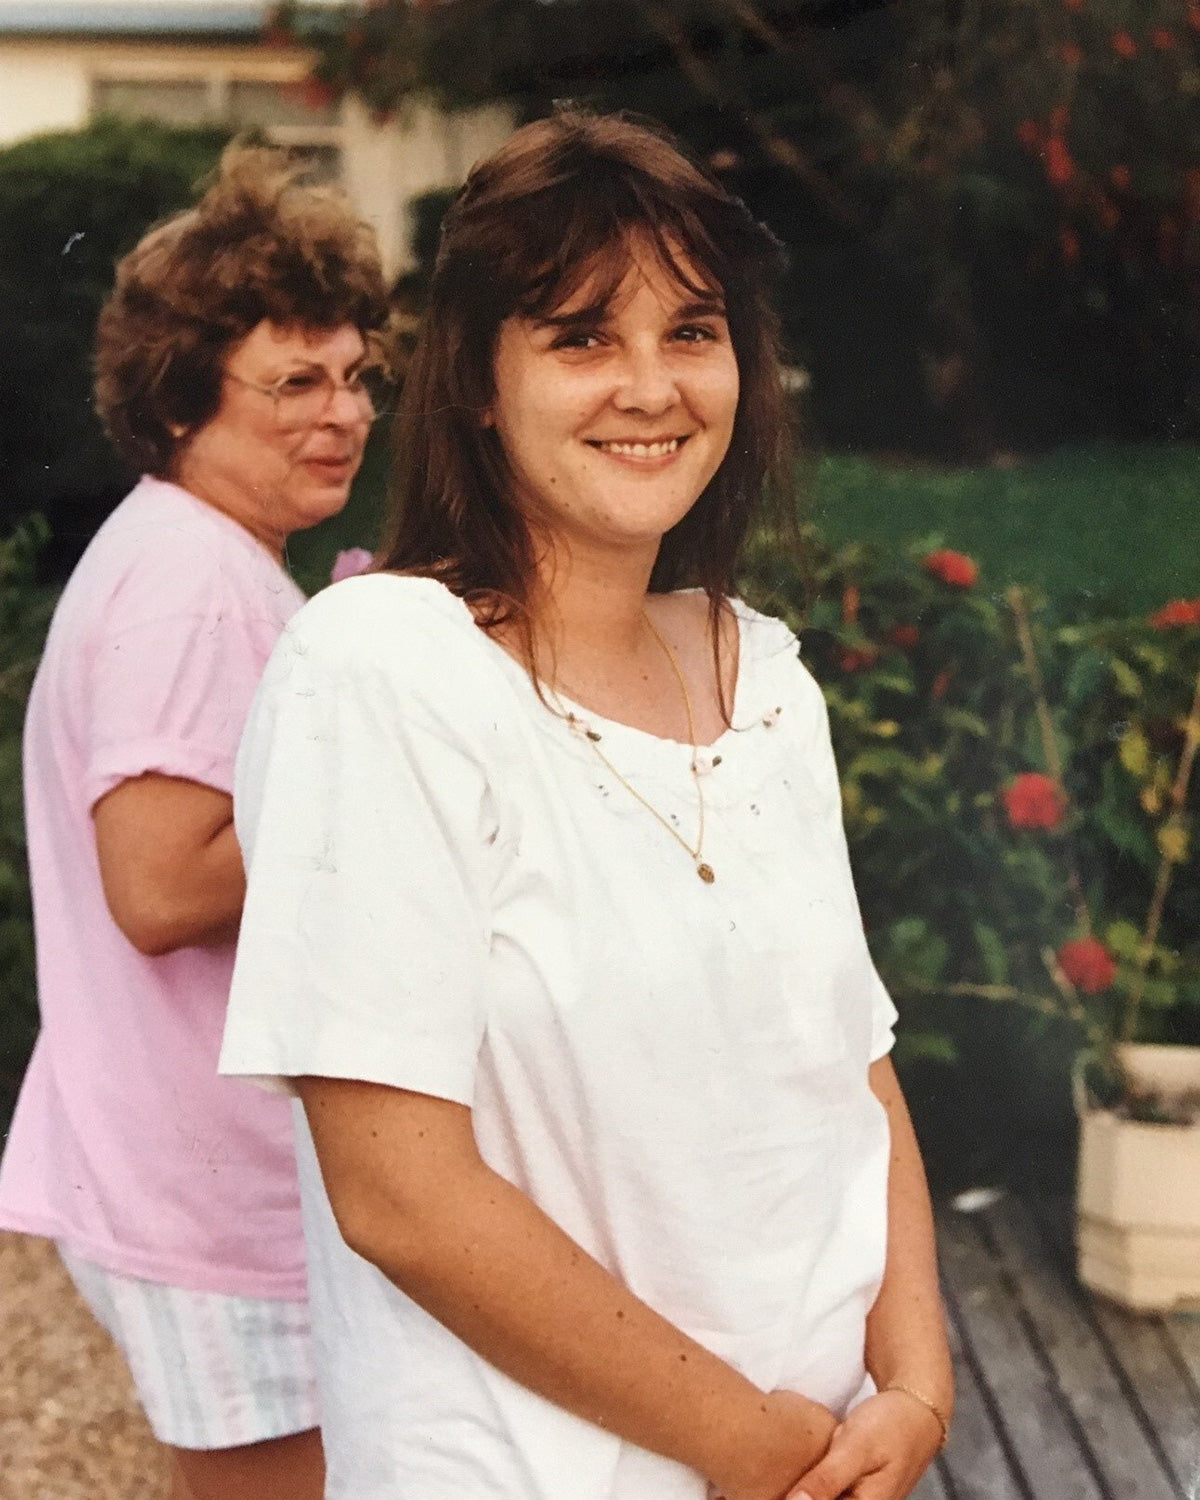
[(279, 463), (614, 422)]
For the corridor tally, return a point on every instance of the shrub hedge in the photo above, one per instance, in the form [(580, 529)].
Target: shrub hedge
[(25, 608), (72, 203)]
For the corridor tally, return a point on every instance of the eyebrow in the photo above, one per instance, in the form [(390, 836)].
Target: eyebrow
[(700, 307), (303, 364)]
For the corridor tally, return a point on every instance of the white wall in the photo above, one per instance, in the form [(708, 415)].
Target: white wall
[(40, 89)]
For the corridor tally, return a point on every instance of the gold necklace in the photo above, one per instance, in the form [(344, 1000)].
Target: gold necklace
[(703, 868)]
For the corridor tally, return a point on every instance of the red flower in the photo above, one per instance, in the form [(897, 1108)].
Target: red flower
[(1034, 801), (850, 600), (953, 568), (1122, 178), (903, 637), (858, 658), (1029, 134), (1194, 17), (941, 684), (1059, 166), (1069, 243), (1164, 40), (1088, 964), (1124, 45), (1071, 54), (1178, 612)]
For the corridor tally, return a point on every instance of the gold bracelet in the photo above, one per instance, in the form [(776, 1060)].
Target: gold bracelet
[(932, 1406)]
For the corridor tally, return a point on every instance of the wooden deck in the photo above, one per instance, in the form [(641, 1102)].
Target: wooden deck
[(1061, 1396)]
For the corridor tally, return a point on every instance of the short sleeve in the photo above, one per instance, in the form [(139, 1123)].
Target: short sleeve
[(170, 694), (364, 818), (817, 748)]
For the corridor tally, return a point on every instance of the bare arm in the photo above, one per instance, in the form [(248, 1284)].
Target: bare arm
[(883, 1447), (906, 1329), (169, 862), (412, 1195)]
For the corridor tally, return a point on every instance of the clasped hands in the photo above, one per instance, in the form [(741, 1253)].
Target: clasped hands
[(878, 1452)]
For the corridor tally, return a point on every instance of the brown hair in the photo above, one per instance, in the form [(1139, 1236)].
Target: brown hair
[(556, 208), (260, 244)]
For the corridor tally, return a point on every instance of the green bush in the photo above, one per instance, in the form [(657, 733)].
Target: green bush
[(25, 608), (71, 204), (1019, 802)]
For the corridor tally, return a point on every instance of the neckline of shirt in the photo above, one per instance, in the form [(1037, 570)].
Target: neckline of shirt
[(637, 753)]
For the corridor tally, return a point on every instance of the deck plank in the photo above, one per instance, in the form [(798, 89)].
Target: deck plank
[(975, 1458), (1110, 1417), (1033, 1420), (930, 1486), (1146, 1353), (1183, 1330)]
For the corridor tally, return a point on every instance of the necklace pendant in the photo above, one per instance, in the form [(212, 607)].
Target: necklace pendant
[(705, 872)]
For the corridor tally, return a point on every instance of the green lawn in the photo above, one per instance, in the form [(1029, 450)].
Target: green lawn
[(1120, 522), (1113, 521)]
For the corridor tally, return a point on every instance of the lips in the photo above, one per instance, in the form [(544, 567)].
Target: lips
[(334, 465)]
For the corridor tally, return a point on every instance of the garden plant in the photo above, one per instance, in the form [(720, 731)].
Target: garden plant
[(1019, 794)]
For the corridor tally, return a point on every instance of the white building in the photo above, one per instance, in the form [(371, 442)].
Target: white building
[(189, 62)]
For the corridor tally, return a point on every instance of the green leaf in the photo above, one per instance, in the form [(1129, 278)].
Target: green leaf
[(926, 1046), (1134, 750), (1124, 939), (1087, 672), (993, 953), (1127, 680)]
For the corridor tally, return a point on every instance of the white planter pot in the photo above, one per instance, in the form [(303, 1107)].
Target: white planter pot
[(1138, 1195)]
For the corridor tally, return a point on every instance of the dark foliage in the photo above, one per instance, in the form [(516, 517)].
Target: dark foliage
[(71, 204)]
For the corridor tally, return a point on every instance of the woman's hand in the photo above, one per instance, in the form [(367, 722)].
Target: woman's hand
[(795, 1436), (878, 1453)]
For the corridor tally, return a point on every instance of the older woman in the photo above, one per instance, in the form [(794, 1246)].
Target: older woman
[(609, 1188), (234, 368)]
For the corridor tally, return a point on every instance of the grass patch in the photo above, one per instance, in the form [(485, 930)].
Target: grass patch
[(1119, 523)]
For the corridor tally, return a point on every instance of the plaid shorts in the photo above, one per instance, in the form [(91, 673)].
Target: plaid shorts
[(211, 1371)]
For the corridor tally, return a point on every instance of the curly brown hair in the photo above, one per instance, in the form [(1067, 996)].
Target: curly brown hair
[(260, 244)]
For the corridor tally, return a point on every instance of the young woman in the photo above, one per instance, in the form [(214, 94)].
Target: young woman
[(550, 922), (230, 371)]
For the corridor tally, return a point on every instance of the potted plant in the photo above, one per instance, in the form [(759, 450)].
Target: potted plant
[(1123, 811)]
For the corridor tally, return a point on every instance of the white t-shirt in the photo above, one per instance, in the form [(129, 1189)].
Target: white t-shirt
[(449, 893)]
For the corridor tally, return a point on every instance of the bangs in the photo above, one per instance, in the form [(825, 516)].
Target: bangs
[(586, 243)]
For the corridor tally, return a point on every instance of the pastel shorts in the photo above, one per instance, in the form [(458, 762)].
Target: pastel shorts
[(211, 1371)]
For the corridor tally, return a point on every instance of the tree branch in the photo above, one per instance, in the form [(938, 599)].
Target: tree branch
[(775, 147)]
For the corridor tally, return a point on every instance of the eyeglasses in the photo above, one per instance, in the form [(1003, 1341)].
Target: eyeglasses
[(302, 398)]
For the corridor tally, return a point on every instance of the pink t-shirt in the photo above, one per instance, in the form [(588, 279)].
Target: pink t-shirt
[(126, 1145)]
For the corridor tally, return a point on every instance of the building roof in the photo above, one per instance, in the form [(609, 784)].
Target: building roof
[(132, 18)]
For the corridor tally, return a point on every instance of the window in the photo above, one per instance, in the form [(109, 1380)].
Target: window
[(172, 101), (291, 114), (292, 105)]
